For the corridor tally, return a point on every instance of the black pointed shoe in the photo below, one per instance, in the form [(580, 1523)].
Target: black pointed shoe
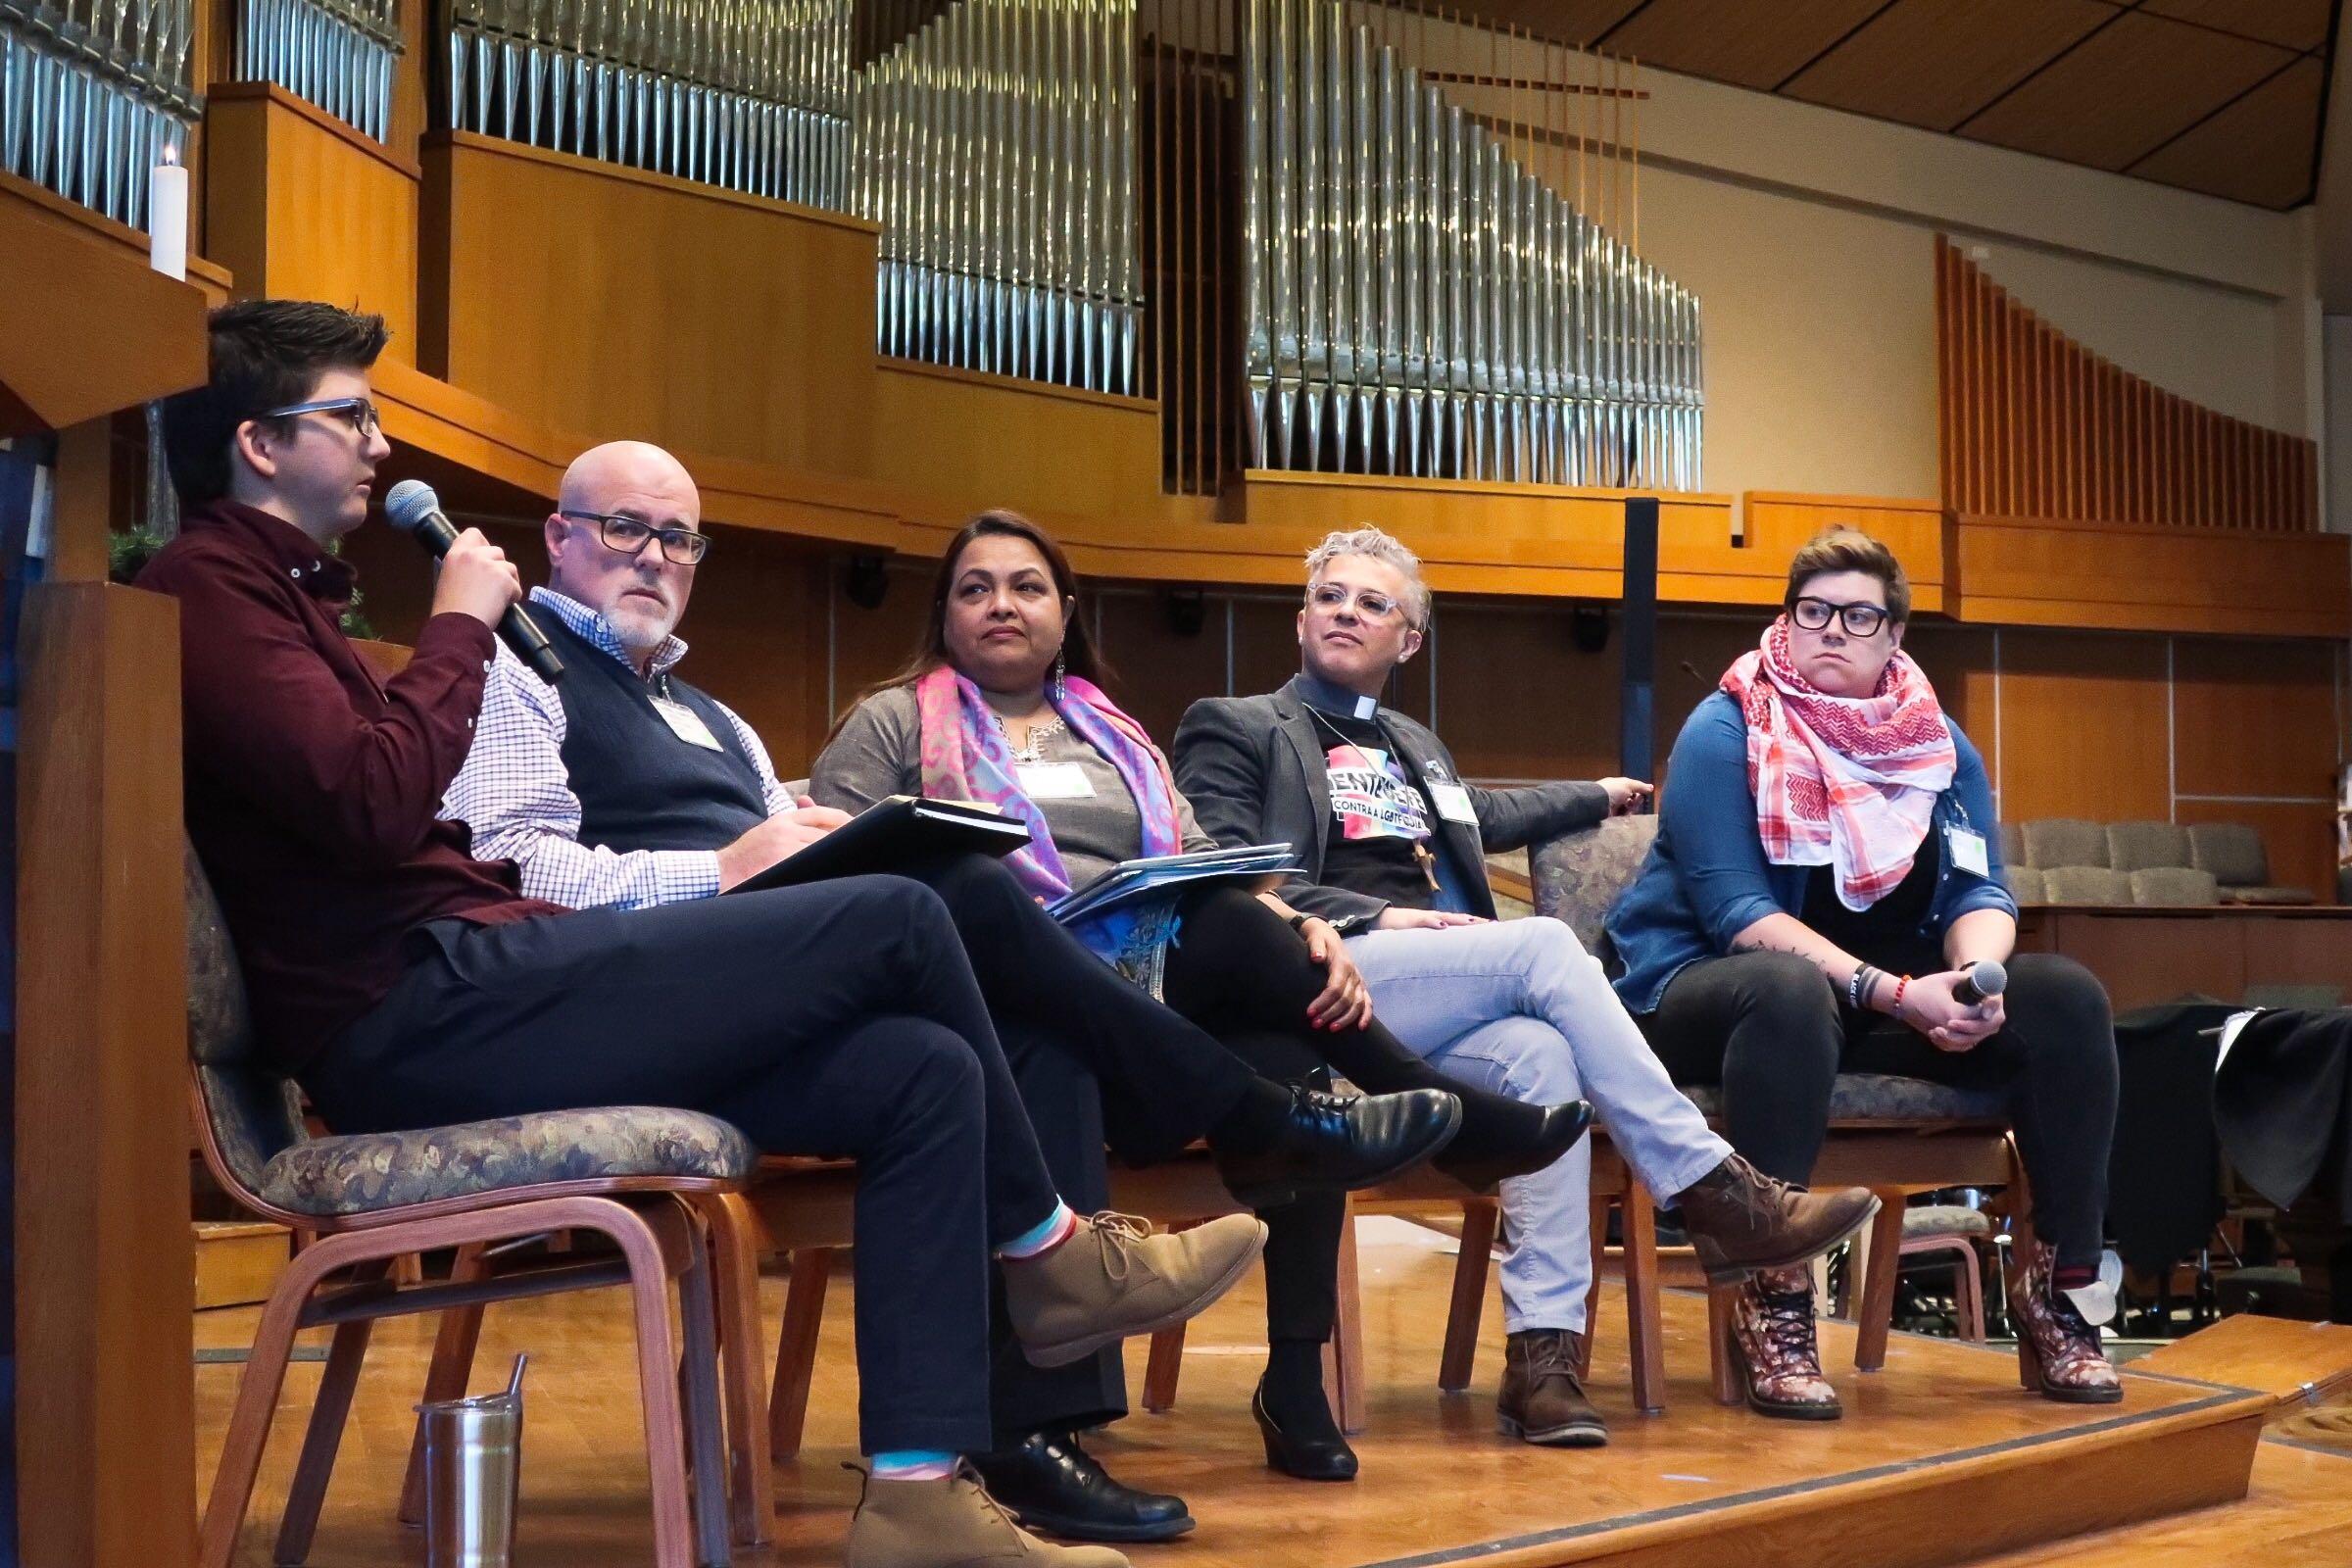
[(1562, 1126), (1053, 1485), (1310, 1458), (1330, 1141)]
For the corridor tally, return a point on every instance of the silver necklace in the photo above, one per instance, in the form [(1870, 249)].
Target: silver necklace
[(1033, 750)]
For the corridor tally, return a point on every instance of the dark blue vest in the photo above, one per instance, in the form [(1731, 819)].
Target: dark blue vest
[(640, 785)]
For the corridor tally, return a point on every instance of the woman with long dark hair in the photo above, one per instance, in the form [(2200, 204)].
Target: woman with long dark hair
[(1003, 702)]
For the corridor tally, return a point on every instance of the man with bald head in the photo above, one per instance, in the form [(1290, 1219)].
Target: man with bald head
[(624, 788)]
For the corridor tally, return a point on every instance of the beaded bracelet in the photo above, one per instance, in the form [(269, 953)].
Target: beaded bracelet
[(1901, 984)]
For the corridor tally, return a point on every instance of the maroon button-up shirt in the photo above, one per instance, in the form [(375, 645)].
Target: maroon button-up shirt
[(313, 786)]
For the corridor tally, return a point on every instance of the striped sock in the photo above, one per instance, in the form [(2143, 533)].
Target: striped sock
[(913, 1464), (1043, 1237)]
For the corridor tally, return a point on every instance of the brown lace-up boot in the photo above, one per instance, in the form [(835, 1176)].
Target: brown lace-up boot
[(1741, 1220), (1541, 1400)]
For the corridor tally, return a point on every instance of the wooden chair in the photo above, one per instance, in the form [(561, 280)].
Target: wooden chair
[(1895, 1136), (634, 1175)]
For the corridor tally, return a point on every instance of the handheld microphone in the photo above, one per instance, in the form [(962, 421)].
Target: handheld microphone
[(1985, 978), (415, 511)]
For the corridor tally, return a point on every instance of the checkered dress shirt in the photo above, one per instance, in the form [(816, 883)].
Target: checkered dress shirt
[(514, 794)]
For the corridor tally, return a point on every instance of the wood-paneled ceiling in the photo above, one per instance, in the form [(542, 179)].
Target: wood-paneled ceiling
[(2220, 96)]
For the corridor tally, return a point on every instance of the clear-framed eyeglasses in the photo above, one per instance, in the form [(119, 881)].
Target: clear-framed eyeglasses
[(1330, 596)]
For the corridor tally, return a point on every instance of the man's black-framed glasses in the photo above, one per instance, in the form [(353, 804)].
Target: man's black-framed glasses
[(360, 411), (629, 536), (1859, 620)]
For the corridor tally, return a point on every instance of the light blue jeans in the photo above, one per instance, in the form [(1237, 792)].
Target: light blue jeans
[(1520, 1007)]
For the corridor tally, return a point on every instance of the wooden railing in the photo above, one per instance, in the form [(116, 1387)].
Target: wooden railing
[(2031, 424)]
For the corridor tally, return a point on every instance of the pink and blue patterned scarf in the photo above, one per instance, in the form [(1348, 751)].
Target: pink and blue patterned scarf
[(966, 756)]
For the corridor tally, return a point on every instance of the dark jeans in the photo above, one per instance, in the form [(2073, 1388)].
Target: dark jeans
[(1772, 1031), (1244, 976), (1096, 1061), (840, 1019)]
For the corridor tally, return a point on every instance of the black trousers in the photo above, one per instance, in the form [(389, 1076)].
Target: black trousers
[(1096, 1061), (1243, 975), (1773, 1032), (840, 1019)]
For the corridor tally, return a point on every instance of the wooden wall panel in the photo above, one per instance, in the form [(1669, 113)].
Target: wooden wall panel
[(716, 324), (2033, 573), (965, 442), (1517, 700), (2083, 726), (301, 206), (2032, 424), (2254, 717), (756, 631), (1158, 672)]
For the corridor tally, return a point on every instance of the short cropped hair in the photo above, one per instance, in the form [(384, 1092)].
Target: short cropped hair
[(1370, 542), (264, 354), (1843, 549)]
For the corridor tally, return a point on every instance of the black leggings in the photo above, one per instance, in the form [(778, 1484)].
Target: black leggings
[(1237, 971), (1773, 1033)]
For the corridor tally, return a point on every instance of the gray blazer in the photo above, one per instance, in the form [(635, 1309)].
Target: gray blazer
[(1252, 767)]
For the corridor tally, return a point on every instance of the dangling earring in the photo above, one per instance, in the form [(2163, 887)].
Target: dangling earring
[(1060, 686)]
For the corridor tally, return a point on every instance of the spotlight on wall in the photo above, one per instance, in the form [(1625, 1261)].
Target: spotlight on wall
[(1589, 628), (1187, 611), (868, 582)]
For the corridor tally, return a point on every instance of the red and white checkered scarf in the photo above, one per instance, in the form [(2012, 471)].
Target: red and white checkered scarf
[(1844, 781)]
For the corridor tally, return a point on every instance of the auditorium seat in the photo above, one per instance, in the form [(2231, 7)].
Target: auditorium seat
[(638, 1176), (2065, 841), (2024, 885), (2234, 853), (2146, 845), (2013, 845), (2174, 886), (2086, 884)]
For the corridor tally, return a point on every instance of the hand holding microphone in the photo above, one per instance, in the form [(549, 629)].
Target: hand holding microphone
[(1958, 1008), (476, 577)]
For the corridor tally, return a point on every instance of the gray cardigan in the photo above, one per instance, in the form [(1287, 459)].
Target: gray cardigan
[(1254, 770)]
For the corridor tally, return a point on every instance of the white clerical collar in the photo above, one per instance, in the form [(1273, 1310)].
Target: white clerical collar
[(1322, 694)]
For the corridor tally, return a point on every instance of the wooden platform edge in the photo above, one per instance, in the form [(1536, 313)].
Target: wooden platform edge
[(2291, 1361), (1932, 1513)]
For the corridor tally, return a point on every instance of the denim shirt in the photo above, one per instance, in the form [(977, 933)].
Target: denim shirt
[(1706, 879)]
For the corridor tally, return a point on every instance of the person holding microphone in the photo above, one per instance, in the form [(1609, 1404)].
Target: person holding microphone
[(1826, 895)]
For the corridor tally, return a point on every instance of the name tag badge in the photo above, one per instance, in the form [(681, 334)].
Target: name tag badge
[(1453, 804), (686, 725), (1967, 850), (1054, 781)]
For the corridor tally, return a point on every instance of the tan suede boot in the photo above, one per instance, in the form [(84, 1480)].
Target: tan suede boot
[(950, 1523), (1113, 1278), (1741, 1220)]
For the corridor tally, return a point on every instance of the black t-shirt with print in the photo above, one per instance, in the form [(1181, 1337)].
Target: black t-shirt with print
[(1377, 841)]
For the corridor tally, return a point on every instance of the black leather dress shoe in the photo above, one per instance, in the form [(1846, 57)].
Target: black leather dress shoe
[(1325, 1459), (1053, 1485), (1330, 1141), (1562, 1126)]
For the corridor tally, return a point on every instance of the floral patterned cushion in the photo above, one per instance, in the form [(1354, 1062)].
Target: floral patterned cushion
[(1578, 875), (1870, 1096), (366, 1172), (1944, 1219)]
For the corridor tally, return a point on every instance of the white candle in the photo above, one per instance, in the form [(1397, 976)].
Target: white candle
[(168, 218)]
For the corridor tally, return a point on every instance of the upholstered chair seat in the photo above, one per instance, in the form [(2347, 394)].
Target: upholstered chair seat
[(365, 1172), (1875, 1097), (1944, 1219), (2065, 841)]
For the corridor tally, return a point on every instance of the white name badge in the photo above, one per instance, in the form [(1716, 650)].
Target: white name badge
[(1967, 850), (1054, 781), (686, 725), (1453, 804)]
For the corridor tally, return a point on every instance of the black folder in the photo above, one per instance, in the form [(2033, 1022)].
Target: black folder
[(889, 835)]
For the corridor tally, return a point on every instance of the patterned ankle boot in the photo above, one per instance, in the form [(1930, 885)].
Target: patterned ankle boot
[(1773, 1340), (2058, 1354)]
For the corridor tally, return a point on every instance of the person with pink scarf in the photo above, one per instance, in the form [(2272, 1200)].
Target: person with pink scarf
[(1826, 871)]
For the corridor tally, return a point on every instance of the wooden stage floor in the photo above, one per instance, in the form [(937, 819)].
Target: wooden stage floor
[(1941, 1458)]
